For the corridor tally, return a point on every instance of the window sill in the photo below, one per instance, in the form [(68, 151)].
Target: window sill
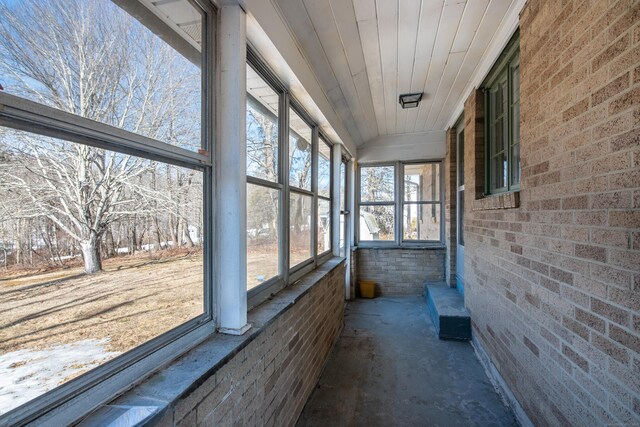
[(148, 402), (417, 246), (499, 201)]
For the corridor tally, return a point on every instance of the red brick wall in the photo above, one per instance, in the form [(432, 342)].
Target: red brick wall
[(553, 285)]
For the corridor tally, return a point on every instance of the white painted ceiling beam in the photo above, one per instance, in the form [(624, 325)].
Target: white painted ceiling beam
[(411, 146)]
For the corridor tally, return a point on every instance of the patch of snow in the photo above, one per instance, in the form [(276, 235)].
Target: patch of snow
[(27, 374)]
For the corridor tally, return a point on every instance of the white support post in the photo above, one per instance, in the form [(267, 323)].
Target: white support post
[(336, 159), (350, 225), (231, 172)]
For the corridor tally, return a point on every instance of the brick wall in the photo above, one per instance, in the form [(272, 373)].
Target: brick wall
[(553, 285), (269, 381), (450, 183), (400, 271)]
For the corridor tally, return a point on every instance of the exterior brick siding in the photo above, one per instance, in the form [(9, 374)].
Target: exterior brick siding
[(269, 381), (399, 271), (450, 184), (553, 285)]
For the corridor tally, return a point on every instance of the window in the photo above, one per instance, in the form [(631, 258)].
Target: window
[(264, 188), (105, 179), (289, 219), (301, 198), (343, 206), (377, 203), (410, 213), (300, 152), (324, 197), (502, 122), (421, 204)]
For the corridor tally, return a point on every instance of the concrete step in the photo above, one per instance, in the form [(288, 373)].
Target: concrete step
[(446, 307)]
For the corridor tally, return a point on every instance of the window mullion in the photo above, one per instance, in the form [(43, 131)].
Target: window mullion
[(399, 197), (314, 190), (284, 245)]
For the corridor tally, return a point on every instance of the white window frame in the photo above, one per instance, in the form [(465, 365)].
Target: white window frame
[(289, 275), (66, 403), (398, 204)]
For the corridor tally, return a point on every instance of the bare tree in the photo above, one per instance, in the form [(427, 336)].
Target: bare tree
[(91, 59)]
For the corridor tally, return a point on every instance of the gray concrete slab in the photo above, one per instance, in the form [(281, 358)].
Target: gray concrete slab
[(390, 369)]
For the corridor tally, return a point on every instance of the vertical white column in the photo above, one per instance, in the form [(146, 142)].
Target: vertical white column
[(352, 218), (335, 201), (231, 210)]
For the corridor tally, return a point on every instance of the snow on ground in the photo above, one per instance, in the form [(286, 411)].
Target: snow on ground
[(27, 374)]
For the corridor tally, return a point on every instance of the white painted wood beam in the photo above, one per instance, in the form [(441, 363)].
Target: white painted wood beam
[(231, 209), (412, 146)]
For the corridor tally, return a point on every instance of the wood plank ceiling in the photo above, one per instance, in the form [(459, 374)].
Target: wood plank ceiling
[(367, 52)]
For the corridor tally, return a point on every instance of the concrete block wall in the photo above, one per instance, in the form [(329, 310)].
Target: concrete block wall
[(400, 271), (553, 282), (269, 381)]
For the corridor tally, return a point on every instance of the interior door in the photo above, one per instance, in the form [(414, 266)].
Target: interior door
[(460, 207)]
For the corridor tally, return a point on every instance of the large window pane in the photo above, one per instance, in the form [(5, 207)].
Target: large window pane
[(262, 128), (377, 184), (422, 182), (421, 221), (499, 171), (324, 169), (299, 228), (92, 59), (377, 222), (262, 234), (299, 152), (101, 252), (324, 225)]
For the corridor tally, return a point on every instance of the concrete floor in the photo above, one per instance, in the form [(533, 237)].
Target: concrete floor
[(390, 369)]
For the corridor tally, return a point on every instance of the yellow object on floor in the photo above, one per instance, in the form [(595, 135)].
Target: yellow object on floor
[(367, 288)]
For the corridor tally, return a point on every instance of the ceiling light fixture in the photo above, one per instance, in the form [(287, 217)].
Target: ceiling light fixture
[(410, 100)]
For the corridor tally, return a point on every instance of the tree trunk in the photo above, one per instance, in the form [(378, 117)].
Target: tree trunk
[(91, 255), (132, 239), (187, 236), (110, 243)]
